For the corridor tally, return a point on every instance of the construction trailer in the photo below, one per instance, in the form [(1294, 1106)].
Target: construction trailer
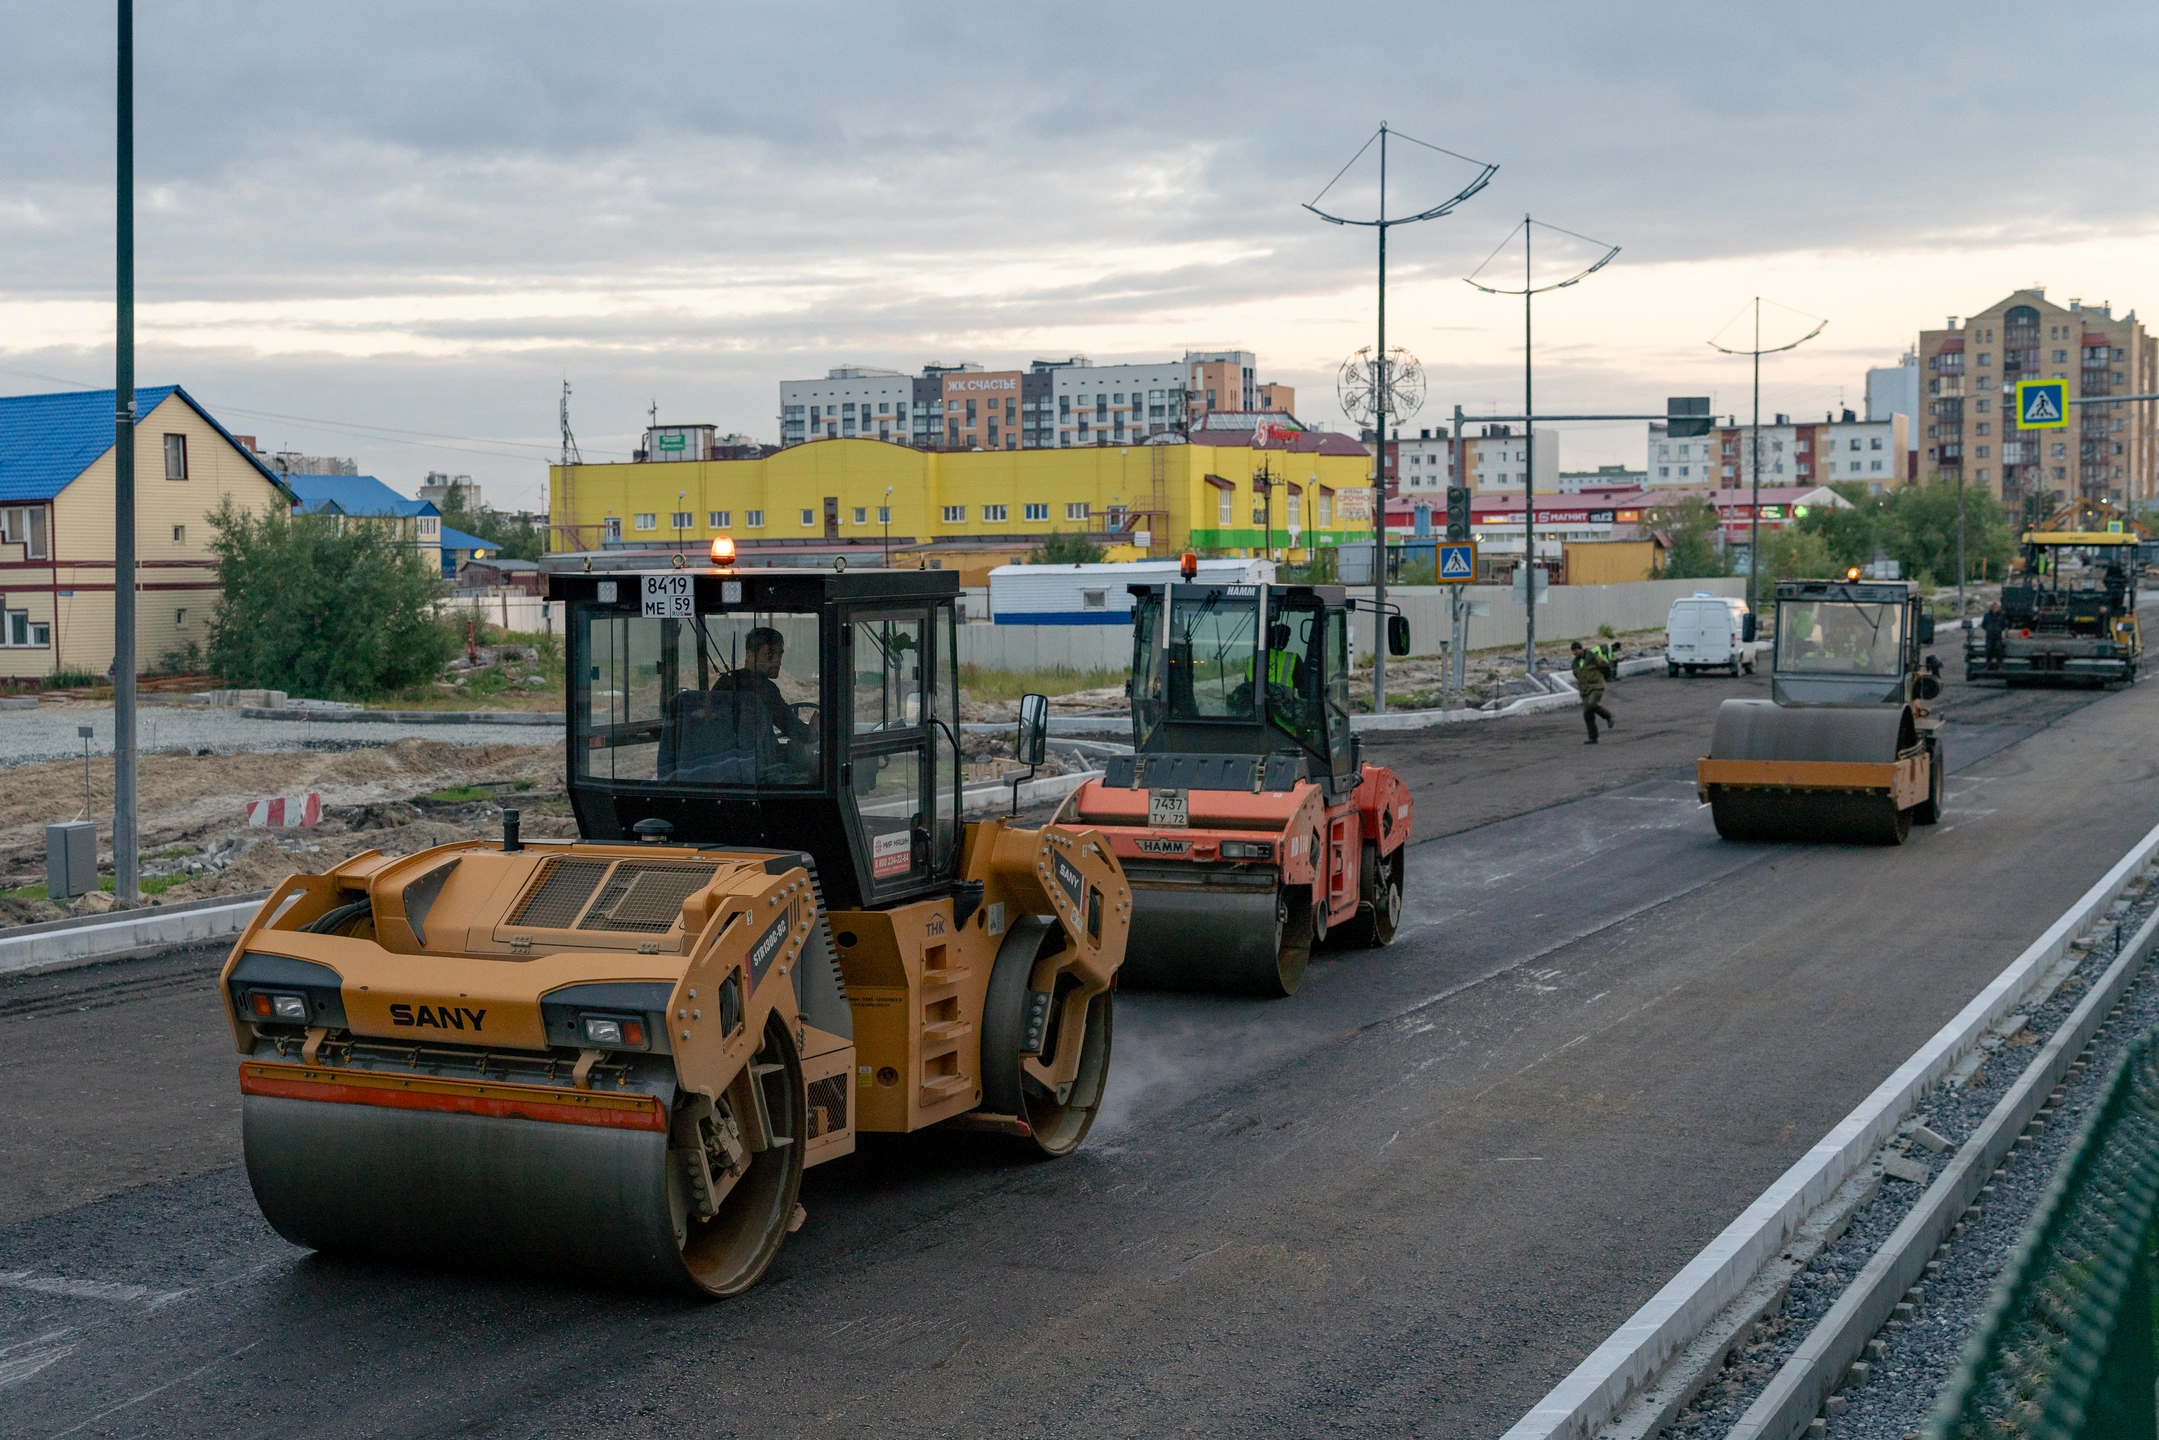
[(1246, 821), (613, 1057), (1847, 748)]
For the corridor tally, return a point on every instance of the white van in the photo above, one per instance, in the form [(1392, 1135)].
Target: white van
[(1709, 632)]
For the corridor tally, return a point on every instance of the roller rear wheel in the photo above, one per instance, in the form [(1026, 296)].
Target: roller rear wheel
[(1381, 911), (1929, 810)]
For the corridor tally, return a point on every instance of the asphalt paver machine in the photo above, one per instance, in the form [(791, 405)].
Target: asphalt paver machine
[(2069, 616), (1246, 821), (1847, 748), (614, 1057)]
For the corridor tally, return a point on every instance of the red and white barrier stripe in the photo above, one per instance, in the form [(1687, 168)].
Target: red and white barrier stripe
[(286, 812)]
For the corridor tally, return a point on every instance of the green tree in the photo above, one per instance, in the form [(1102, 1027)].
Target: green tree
[(1689, 526), (517, 538), (316, 608), (1920, 532), (1848, 536), (1059, 548), (1796, 553)]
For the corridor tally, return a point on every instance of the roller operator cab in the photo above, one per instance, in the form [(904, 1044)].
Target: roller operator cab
[(2069, 613), (1847, 748), (1245, 820), (613, 1057)]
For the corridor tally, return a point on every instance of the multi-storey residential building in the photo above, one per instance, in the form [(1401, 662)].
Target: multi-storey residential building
[(1836, 450), (1423, 466), (1970, 369), (1055, 404), (1684, 462), (1497, 460), (853, 401), (1222, 380), (1114, 404)]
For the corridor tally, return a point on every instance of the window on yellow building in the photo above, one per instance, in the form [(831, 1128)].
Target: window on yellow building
[(720, 519), (862, 515), (175, 457), (179, 617), (993, 513), (756, 519), (955, 514), (884, 514), (1076, 510), (1226, 514), (647, 521), (179, 534), (809, 517)]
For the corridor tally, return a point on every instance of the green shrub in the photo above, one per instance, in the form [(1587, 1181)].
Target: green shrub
[(313, 607)]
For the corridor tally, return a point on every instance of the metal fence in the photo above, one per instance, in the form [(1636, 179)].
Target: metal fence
[(2066, 1349)]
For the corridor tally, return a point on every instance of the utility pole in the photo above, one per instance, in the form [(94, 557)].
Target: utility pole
[(884, 515), (570, 459), (125, 860), (1754, 531), (1528, 292), (1382, 392)]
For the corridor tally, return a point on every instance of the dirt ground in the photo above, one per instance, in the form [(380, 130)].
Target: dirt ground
[(193, 811)]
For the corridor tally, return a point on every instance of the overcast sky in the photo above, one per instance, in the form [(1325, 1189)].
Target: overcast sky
[(391, 230)]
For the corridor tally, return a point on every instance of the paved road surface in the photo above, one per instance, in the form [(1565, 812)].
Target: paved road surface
[(1405, 1202)]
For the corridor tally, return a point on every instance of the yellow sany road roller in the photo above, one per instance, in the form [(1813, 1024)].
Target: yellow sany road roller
[(1846, 749), (613, 1057)]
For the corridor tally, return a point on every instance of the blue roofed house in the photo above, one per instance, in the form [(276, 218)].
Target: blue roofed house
[(458, 548), (56, 525), (414, 522)]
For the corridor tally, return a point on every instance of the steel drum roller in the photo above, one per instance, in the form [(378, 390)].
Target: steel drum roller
[(1216, 941), (1764, 730)]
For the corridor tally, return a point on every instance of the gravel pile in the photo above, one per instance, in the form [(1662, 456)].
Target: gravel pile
[(1911, 1360), (48, 733)]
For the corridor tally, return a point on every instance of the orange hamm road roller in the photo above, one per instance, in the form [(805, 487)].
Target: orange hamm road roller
[(1246, 821), (613, 1057)]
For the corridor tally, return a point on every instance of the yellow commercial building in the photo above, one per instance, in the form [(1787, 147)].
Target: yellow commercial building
[(968, 509)]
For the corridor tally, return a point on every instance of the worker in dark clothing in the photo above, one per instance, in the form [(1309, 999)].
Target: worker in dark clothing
[(1591, 670), (1993, 627), (764, 648)]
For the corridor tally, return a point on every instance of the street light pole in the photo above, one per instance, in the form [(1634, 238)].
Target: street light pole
[(1754, 532), (1381, 385), (884, 515), (125, 860), (1529, 418)]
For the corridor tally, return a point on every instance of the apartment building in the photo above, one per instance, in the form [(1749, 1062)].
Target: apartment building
[(1970, 369), (1423, 466), (1053, 404), (1497, 460), (1684, 463), (852, 401), (1839, 448)]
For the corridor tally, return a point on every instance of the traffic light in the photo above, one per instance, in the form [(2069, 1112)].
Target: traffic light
[(1457, 512), (1686, 416)]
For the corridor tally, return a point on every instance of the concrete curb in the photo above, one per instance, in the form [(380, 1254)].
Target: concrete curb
[(1633, 1354), (553, 719), (58, 944), (1032, 792)]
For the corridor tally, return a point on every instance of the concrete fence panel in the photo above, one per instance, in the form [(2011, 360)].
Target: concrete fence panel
[(1570, 612)]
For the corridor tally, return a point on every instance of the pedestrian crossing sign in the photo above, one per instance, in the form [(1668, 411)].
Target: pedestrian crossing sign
[(2042, 404), (1458, 563)]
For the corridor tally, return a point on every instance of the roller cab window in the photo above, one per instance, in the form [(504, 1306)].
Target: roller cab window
[(1295, 671), (1213, 649), (1840, 637), (729, 701)]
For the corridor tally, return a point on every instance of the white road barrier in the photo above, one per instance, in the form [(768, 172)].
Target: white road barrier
[(1634, 1353)]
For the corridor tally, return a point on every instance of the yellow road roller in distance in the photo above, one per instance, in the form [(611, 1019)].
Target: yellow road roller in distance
[(1846, 748), (613, 1058)]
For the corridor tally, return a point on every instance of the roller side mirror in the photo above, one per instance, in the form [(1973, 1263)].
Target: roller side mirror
[(1032, 742), (1398, 635), (1746, 626), (1926, 629)]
